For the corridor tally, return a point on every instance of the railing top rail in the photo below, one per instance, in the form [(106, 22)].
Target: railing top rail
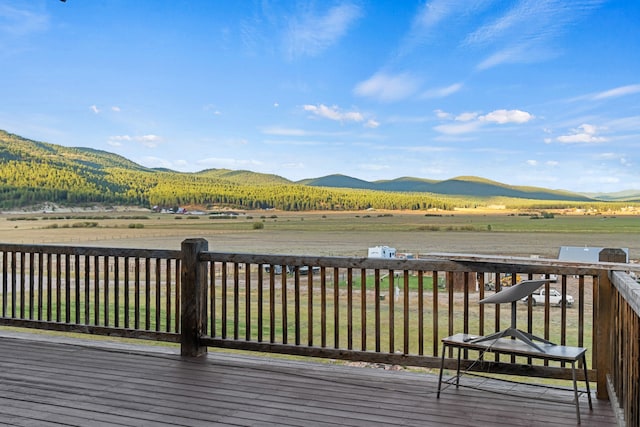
[(628, 288), (501, 262), (428, 262), (331, 261), (91, 251)]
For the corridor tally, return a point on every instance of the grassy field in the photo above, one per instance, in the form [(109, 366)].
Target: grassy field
[(332, 233)]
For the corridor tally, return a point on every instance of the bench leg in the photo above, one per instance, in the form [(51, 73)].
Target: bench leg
[(586, 380), (575, 390), (444, 346), (458, 371)]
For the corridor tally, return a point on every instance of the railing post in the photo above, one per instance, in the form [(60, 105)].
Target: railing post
[(193, 297), (604, 322)]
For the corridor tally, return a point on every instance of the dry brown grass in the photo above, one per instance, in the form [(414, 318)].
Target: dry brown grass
[(327, 233)]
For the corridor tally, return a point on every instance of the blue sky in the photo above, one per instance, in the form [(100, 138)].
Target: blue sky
[(525, 92)]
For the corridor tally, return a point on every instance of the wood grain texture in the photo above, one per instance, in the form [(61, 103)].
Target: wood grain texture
[(55, 381)]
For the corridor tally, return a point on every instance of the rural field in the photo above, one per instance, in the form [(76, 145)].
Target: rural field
[(331, 233), (348, 234)]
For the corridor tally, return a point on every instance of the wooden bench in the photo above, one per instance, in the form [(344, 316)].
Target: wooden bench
[(514, 347)]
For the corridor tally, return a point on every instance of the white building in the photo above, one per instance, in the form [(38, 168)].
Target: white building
[(382, 252)]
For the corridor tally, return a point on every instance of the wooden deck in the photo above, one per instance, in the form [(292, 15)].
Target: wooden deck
[(47, 381)]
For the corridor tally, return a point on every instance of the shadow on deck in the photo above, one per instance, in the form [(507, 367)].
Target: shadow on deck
[(52, 381)]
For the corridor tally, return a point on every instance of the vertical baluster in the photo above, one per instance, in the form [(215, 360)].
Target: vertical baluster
[(58, 288), (4, 284), (350, 308), (49, 286), (87, 290), (106, 291), (147, 294), (136, 295), (32, 271), (212, 297), (96, 290), (178, 281), (272, 305), (116, 291), (78, 299), (406, 311), (581, 311), (420, 313), (392, 308), (67, 288), (296, 304), (40, 285), (236, 300), (126, 291), (435, 314), (310, 308), (247, 303), (377, 309), (363, 309), (481, 317), (285, 324), (158, 304), (336, 309), (22, 277), (13, 284), (223, 320), (260, 301), (167, 291), (323, 307)]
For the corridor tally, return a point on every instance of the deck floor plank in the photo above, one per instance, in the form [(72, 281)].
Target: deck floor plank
[(59, 381)]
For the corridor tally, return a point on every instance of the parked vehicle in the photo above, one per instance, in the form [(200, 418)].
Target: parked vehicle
[(555, 298)]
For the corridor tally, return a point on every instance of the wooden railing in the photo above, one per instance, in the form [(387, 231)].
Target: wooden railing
[(392, 311), (119, 292), (623, 373)]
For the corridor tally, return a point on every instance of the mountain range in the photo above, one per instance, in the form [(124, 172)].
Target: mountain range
[(32, 171)]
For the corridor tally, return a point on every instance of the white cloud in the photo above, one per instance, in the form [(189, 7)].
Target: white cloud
[(372, 124), (532, 162), (551, 163), (387, 87), (442, 91), (619, 91), (457, 129), (523, 32), (21, 22), (334, 113), (582, 134), (442, 114), (471, 121), (507, 116), (94, 109), (313, 33), (115, 109), (433, 13), (465, 117)]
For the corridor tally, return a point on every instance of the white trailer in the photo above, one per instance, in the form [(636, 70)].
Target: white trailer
[(382, 252)]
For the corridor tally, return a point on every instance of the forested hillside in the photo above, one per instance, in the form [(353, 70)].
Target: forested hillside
[(35, 173)]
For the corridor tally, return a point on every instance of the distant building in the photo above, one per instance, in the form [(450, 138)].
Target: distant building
[(382, 252), (583, 253)]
